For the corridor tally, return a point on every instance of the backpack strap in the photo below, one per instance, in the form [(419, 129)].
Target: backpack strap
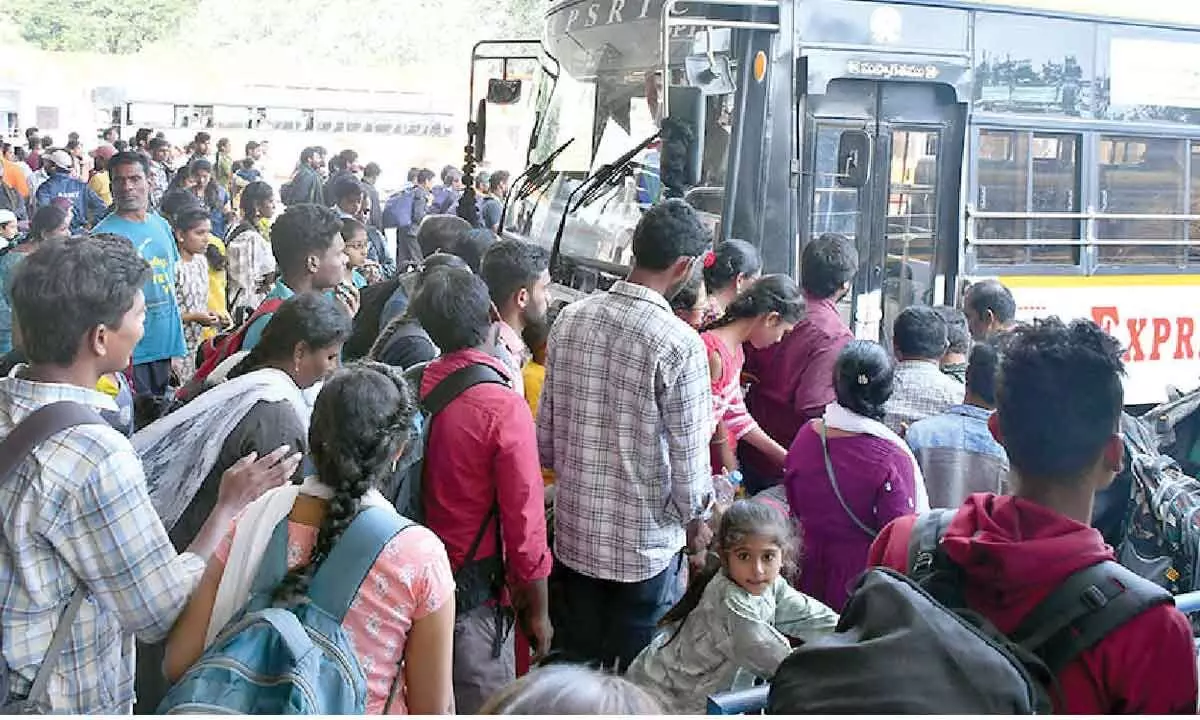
[(38, 427), (1084, 609), (272, 568), (924, 540), (336, 581), (457, 383)]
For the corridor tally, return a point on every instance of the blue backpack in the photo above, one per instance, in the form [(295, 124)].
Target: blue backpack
[(291, 659), (398, 210)]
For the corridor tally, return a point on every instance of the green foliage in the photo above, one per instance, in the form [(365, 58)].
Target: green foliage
[(106, 26)]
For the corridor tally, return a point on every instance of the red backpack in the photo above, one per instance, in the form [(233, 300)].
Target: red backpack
[(216, 350)]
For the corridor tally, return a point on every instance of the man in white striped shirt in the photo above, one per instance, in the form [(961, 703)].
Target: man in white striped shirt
[(625, 422)]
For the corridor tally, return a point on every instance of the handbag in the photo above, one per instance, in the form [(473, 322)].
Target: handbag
[(837, 491)]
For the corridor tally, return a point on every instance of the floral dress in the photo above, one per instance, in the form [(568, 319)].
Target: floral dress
[(191, 290)]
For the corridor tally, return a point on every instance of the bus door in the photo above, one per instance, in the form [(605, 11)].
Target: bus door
[(885, 165)]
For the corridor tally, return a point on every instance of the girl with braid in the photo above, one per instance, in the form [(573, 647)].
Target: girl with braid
[(759, 315), (401, 622)]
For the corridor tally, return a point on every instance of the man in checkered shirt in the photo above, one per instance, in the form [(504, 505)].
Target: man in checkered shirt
[(77, 512), (625, 422), (920, 388)]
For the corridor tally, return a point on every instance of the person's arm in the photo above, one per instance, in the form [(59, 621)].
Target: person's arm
[(420, 206), (521, 496), (814, 387), (185, 643), (757, 646), (42, 195), (800, 616), (765, 444), (428, 685), (896, 495), (545, 416), (1149, 665), (685, 402), (96, 205)]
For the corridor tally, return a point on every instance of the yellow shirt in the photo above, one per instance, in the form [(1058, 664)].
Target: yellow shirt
[(534, 375), (216, 288), (102, 185)]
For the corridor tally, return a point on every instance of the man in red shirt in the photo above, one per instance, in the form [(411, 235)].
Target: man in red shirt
[(794, 378), (482, 491), (1058, 408)]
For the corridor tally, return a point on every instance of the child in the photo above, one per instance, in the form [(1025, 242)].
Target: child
[(535, 336), (192, 228), (760, 315), (733, 624), (355, 235), (691, 301)]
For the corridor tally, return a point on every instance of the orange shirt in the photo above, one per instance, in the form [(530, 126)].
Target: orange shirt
[(14, 178)]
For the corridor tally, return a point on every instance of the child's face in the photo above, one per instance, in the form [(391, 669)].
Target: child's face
[(754, 563), (356, 249)]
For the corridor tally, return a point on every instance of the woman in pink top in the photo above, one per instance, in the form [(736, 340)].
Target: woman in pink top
[(401, 621), (760, 315)]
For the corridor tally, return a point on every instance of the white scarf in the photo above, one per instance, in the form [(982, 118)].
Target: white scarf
[(839, 418), (180, 450), (250, 540)]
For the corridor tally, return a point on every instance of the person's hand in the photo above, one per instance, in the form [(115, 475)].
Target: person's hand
[(372, 272), (252, 476), (347, 295), (540, 633), (699, 537), (177, 368), (211, 319)]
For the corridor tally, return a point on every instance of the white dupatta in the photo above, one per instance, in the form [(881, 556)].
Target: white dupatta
[(250, 540), (839, 418), (180, 450)]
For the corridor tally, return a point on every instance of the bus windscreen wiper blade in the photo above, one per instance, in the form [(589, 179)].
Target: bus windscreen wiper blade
[(536, 175), (603, 177)]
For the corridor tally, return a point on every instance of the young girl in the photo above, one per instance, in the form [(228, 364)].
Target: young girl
[(355, 235), (760, 315), (733, 624), (728, 270), (192, 229)]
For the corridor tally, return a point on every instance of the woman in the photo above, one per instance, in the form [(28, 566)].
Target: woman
[(50, 222), (847, 475), (198, 178), (732, 266), (401, 622), (259, 408), (251, 262), (191, 226)]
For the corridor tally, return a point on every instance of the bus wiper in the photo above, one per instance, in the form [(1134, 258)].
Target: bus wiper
[(610, 173), (532, 179)]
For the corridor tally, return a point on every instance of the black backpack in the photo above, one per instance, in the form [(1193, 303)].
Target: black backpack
[(910, 645)]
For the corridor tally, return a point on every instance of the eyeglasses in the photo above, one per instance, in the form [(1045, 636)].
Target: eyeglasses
[(356, 246)]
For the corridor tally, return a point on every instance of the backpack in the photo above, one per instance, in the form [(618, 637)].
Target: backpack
[(1159, 537), (287, 192), (39, 426), (965, 665), (294, 657), (10, 199), (398, 210), (215, 350)]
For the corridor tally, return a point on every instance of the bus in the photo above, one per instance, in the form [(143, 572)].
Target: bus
[(1052, 144)]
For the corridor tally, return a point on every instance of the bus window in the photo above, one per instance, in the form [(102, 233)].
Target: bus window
[(1141, 176), (1021, 172), (1193, 251)]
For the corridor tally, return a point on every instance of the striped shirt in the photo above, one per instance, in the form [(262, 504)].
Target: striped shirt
[(625, 421), (77, 512)]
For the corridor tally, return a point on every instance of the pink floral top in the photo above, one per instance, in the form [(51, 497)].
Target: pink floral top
[(410, 580)]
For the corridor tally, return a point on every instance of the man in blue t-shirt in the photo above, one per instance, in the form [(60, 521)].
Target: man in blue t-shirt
[(152, 238)]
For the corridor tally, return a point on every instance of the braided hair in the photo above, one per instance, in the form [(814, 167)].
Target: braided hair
[(768, 294), (359, 426)]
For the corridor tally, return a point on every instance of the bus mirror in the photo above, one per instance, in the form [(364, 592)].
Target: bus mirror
[(503, 92), (854, 159)]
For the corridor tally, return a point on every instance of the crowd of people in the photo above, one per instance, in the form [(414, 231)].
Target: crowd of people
[(452, 482)]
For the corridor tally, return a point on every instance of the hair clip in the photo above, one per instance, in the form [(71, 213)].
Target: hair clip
[(710, 259), (863, 379)]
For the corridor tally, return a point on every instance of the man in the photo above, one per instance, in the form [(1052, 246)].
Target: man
[(370, 179), (1058, 409), (518, 277), (794, 378), (307, 244), (59, 183), (483, 494), (447, 194), (407, 211), (919, 388), (12, 174), (78, 516), (625, 422), (110, 134), (347, 196), (159, 154), (201, 146), (142, 139), (958, 342), (34, 140), (492, 206), (8, 228), (344, 164), (956, 451), (990, 308), (307, 184), (163, 345)]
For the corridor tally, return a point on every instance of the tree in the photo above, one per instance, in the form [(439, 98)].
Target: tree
[(107, 26)]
